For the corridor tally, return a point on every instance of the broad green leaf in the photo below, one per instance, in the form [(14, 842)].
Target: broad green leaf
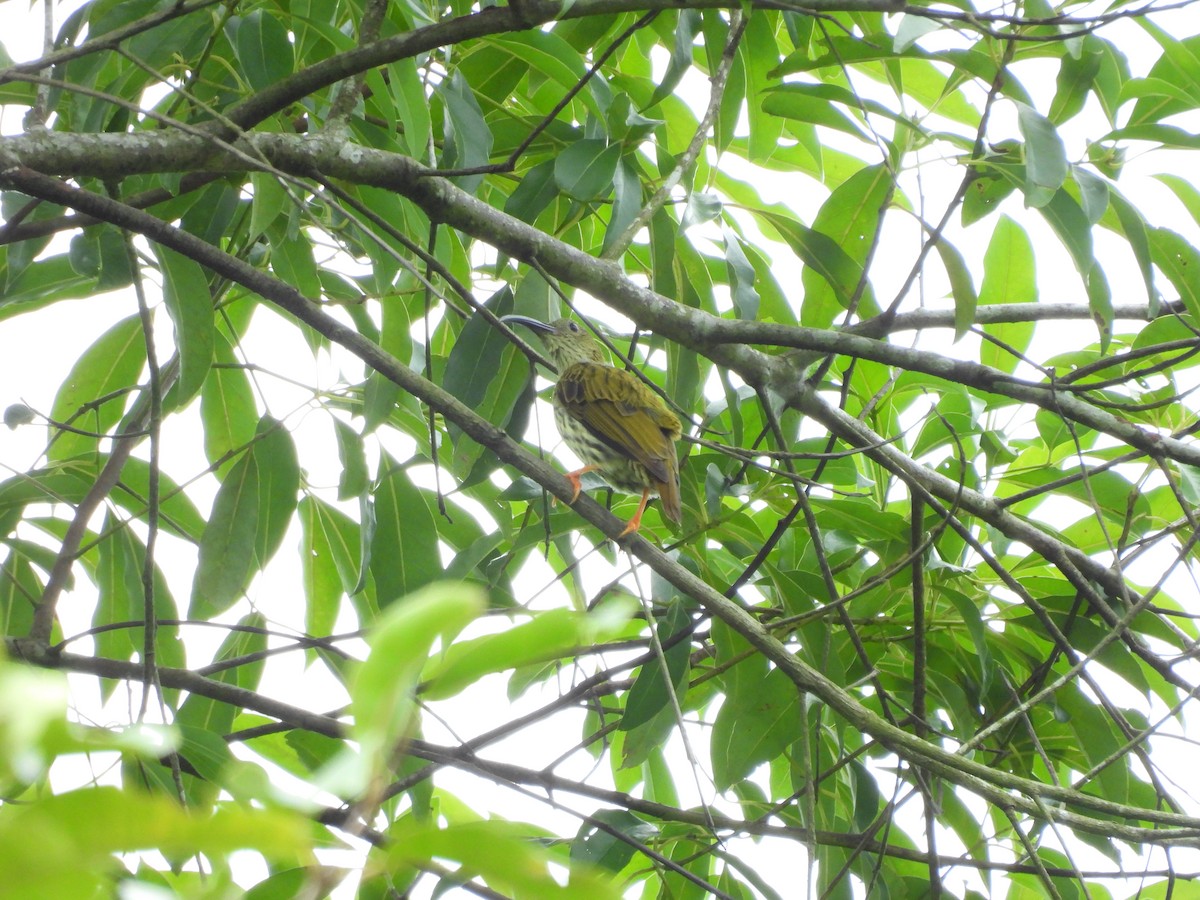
[(41, 283), (185, 289), (270, 201), (649, 694), (90, 824), (753, 727), (292, 261), (585, 170), (408, 93), (468, 139), (548, 635), (354, 478), (1045, 156), (627, 202), (833, 273), (96, 392), (486, 374), (331, 563), (382, 393), (226, 552), (508, 856), (597, 846), (962, 287), (278, 483), (1008, 277), (849, 219), (404, 546), (227, 408), (263, 48), (741, 276), (1179, 261), (382, 692)]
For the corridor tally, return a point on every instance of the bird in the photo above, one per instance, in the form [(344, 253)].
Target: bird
[(613, 422)]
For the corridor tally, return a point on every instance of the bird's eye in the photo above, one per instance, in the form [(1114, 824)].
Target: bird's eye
[(574, 327)]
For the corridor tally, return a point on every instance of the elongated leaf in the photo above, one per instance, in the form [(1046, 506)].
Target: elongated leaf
[(226, 558), (331, 564), (404, 547), (278, 482), (263, 49), (185, 289), (648, 697), (94, 394), (585, 170), (753, 727), (227, 408), (382, 691), (469, 140)]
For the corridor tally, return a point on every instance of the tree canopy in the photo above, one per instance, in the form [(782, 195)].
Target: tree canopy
[(292, 567)]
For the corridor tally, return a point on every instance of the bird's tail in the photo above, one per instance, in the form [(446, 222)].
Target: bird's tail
[(668, 493)]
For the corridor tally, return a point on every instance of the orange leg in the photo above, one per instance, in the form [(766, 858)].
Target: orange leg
[(636, 522), (574, 477)]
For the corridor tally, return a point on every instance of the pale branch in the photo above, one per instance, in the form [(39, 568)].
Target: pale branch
[(721, 340), (1002, 313), (1006, 790)]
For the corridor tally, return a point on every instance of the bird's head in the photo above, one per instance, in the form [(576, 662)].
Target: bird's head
[(565, 340)]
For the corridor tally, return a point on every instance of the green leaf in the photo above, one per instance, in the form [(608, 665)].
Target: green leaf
[(486, 373), (1133, 226), (95, 393), (754, 726), (330, 556), (598, 846), (1008, 277), (404, 547), (354, 478), (227, 408), (382, 393), (648, 696), (263, 49), (962, 287), (585, 170), (212, 716), (278, 482), (508, 856), (1045, 157), (627, 202), (408, 93), (90, 824), (185, 289), (41, 283), (741, 276), (1179, 261), (832, 274), (850, 220), (535, 192), (226, 552), (548, 635), (468, 139), (383, 688), (269, 202), (293, 262)]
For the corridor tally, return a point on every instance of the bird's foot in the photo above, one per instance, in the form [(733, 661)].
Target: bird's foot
[(576, 480)]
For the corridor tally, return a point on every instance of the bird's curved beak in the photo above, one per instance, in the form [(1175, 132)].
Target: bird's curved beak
[(533, 324)]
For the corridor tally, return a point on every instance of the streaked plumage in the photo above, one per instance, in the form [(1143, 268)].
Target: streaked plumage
[(620, 428)]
